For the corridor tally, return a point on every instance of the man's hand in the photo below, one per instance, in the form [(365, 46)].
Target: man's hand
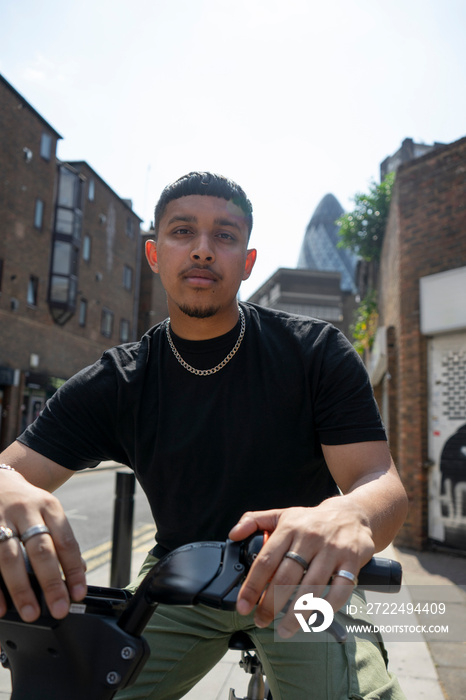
[(329, 537), (23, 506), (342, 533)]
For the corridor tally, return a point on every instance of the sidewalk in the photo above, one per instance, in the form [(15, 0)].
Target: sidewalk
[(429, 670), (447, 660)]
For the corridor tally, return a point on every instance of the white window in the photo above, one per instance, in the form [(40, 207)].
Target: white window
[(33, 288), (46, 146), (87, 248), (106, 327), (124, 331), (38, 214), (82, 312), (127, 277)]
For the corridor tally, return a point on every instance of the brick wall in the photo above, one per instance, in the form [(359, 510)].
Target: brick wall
[(112, 248), (29, 329), (24, 248), (426, 234)]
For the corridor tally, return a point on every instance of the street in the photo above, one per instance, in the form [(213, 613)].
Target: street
[(88, 500)]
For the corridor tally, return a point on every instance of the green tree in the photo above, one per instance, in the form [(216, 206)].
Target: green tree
[(362, 230)]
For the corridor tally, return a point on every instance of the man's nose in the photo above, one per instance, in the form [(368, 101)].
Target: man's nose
[(202, 250)]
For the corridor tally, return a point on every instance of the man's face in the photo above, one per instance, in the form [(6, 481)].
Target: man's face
[(201, 255)]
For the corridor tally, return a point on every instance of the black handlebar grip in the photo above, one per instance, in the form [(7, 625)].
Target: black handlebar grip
[(380, 574)]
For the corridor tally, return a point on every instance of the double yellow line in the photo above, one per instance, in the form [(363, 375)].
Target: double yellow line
[(100, 555)]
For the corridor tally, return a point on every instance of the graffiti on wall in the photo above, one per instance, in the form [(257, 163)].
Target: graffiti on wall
[(453, 489)]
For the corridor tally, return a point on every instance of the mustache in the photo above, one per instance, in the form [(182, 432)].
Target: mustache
[(204, 270)]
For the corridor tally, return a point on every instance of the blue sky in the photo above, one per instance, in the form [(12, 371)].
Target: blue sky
[(291, 98)]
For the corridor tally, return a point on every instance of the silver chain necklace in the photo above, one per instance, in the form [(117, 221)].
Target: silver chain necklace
[(213, 370)]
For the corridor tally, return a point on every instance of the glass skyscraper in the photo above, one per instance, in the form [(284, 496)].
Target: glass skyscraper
[(320, 250)]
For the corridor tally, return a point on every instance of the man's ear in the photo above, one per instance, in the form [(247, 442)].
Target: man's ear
[(251, 256), (151, 255)]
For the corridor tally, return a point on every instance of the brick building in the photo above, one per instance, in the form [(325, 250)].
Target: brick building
[(407, 151), (418, 363), (70, 258)]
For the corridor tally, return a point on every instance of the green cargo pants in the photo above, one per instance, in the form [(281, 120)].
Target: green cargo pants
[(187, 642)]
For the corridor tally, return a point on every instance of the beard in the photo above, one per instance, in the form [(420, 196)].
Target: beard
[(198, 311)]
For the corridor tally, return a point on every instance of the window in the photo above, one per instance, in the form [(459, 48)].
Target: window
[(38, 214), (59, 288), (63, 278), (106, 327), (91, 190), (33, 288), (124, 331), (63, 253), (64, 221), (82, 312), (129, 227), (127, 277), (87, 248), (46, 146), (67, 186)]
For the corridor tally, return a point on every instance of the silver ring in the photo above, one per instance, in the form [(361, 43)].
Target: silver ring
[(33, 531), (347, 574), (6, 533), (297, 558)]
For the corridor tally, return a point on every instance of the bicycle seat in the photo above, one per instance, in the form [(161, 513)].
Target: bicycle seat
[(241, 641)]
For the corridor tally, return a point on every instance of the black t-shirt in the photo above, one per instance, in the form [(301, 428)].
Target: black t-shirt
[(207, 448)]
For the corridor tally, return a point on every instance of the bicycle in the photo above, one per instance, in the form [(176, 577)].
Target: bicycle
[(99, 649)]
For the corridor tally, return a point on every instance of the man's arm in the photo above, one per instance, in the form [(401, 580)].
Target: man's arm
[(26, 501), (343, 532)]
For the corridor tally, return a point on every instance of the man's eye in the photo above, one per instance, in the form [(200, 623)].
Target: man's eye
[(226, 236), (182, 231)]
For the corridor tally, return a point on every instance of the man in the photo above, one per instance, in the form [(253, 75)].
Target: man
[(234, 418)]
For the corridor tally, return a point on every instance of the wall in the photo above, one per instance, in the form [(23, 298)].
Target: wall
[(425, 235), (35, 352)]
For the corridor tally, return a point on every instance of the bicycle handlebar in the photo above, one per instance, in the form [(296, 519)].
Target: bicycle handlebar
[(98, 648)]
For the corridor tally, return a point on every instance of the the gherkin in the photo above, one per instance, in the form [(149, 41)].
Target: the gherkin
[(320, 251)]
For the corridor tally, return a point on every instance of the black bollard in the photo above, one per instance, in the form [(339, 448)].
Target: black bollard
[(122, 529)]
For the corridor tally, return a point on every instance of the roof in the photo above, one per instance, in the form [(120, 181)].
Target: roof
[(79, 163), (29, 106)]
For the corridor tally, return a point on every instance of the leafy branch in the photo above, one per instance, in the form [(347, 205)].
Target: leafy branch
[(362, 230), (364, 326)]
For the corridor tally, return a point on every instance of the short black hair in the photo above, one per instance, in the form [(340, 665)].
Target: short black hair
[(203, 183)]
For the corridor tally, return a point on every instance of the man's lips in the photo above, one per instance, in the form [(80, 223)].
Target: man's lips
[(201, 277)]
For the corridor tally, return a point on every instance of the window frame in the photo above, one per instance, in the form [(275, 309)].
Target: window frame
[(39, 208), (82, 313), (129, 227), (128, 277), (45, 149), (87, 247), (32, 294), (125, 337), (107, 317)]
